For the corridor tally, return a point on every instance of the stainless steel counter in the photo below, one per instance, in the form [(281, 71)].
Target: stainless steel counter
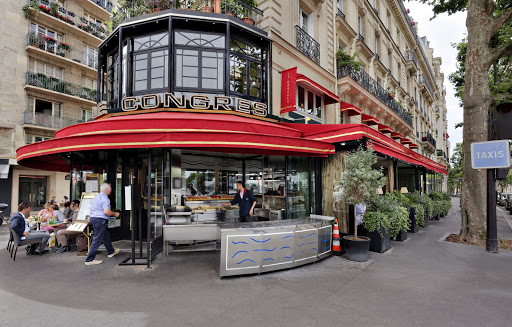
[(249, 248)]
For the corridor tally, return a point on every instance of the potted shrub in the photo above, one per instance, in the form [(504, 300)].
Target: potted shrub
[(376, 222), (399, 222), (417, 201), (343, 60), (360, 182), (247, 12)]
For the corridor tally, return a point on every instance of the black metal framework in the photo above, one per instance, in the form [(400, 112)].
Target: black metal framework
[(340, 13), (427, 137), (308, 45), (424, 80), (410, 56), (247, 69), (195, 48), (363, 79)]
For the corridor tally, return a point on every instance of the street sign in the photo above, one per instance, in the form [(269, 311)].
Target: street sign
[(490, 155)]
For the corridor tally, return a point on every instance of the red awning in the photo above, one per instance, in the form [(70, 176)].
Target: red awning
[(447, 136), (369, 120), (405, 141), (349, 108), (195, 131), (413, 146), (385, 129), (396, 135), (329, 96), (337, 133)]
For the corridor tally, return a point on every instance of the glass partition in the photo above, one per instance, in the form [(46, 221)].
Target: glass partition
[(298, 187)]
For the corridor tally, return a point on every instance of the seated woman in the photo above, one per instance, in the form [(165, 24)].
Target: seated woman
[(57, 215), (45, 213)]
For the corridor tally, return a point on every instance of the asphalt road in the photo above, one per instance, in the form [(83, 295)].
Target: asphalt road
[(420, 282)]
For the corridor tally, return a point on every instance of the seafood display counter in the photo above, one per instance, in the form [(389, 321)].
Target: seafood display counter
[(251, 248)]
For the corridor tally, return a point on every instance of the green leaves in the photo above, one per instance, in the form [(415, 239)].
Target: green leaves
[(343, 59)]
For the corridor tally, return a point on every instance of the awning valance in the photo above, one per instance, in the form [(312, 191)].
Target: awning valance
[(329, 96), (405, 140), (413, 146), (350, 109), (202, 132), (369, 120), (385, 129), (338, 133), (396, 135)]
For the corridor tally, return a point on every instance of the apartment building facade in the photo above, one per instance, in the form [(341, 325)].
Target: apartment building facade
[(49, 74)]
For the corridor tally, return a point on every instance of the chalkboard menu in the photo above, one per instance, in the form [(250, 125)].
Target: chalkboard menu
[(84, 212)]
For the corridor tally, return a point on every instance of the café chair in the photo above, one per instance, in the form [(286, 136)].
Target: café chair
[(9, 243), (15, 245)]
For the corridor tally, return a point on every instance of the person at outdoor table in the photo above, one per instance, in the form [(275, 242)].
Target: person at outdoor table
[(53, 200), (246, 201), (67, 210), (20, 226), (56, 215), (100, 212), (45, 213), (64, 235)]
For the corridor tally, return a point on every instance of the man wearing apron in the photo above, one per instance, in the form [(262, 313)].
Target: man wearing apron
[(246, 201)]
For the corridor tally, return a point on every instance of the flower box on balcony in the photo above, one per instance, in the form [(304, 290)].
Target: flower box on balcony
[(391, 95)]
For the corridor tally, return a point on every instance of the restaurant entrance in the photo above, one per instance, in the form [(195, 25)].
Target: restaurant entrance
[(33, 189)]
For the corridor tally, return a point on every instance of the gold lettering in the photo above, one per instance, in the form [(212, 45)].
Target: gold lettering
[(203, 102), (129, 104), (243, 105), (259, 109), (222, 102), (150, 101), (170, 100)]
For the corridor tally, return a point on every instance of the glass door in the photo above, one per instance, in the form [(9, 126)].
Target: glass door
[(33, 189)]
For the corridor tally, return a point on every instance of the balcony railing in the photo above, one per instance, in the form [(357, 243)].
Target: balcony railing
[(425, 81), (340, 13), (54, 84), (363, 79), (240, 9), (427, 137), (107, 5), (360, 37), (410, 56), (62, 49), (307, 45), (49, 121)]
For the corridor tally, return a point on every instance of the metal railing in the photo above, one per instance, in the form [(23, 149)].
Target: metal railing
[(54, 84), (308, 45), (427, 137), (410, 56), (107, 5), (363, 79), (62, 49), (340, 13), (424, 80), (49, 121), (360, 37), (240, 9)]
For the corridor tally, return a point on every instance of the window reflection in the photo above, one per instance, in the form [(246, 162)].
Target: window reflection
[(246, 69)]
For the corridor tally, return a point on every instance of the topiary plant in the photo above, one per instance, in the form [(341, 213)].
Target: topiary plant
[(359, 180), (343, 59)]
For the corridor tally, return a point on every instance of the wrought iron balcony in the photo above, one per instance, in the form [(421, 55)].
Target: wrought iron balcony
[(410, 56), (340, 13), (427, 137), (107, 5), (240, 9), (62, 49), (307, 45), (54, 84), (48, 121), (424, 80), (363, 79), (360, 37)]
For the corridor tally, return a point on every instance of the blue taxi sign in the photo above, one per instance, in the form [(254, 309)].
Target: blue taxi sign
[(490, 155)]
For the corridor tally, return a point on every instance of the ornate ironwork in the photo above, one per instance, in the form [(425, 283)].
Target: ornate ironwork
[(340, 13), (57, 85), (363, 79), (308, 45), (360, 37), (427, 137), (425, 81), (410, 56)]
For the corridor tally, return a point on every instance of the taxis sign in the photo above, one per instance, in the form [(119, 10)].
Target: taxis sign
[(490, 155)]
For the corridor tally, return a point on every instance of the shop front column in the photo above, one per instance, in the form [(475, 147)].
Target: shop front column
[(391, 175)]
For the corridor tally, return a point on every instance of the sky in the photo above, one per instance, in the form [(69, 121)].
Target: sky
[(441, 32)]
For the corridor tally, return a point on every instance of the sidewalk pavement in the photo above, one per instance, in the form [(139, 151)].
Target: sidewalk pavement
[(419, 282)]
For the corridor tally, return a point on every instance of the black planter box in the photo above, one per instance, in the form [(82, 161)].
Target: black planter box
[(437, 217), (379, 243), (412, 217), (427, 221), (402, 236)]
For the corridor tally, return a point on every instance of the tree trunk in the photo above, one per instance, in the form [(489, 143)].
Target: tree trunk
[(477, 99)]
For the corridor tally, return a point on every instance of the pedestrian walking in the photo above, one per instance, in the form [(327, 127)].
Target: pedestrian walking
[(100, 212)]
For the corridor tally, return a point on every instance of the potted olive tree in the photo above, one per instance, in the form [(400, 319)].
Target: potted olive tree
[(360, 182)]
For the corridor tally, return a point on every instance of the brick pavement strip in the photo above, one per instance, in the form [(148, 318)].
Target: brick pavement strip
[(421, 282)]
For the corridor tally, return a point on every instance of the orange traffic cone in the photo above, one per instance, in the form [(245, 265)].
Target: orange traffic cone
[(336, 246)]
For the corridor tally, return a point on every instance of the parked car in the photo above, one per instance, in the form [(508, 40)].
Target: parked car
[(508, 204), (503, 198)]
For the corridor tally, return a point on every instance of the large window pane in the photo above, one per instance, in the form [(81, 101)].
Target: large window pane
[(140, 78), (187, 72), (212, 70), (255, 79), (238, 74), (246, 49), (311, 103), (298, 187), (318, 106), (301, 99), (200, 39), (151, 41), (159, 70)]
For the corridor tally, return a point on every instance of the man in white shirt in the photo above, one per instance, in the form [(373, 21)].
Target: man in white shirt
[(20, 226)]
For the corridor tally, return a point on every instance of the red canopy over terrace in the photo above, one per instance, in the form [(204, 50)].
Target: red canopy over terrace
[(196, 131), (382, 143)]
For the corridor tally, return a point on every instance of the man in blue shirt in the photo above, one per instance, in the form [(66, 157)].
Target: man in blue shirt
[(246, 201), (100, 212)]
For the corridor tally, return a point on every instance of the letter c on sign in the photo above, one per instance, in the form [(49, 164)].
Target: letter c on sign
[(129, 104)]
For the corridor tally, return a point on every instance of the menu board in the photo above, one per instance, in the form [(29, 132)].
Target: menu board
[(84, 212)]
